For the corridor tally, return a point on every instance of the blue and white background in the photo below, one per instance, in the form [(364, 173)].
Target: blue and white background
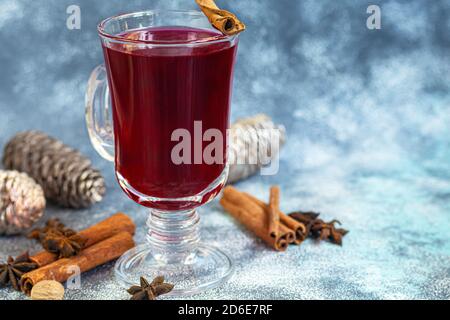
[(367, 114)]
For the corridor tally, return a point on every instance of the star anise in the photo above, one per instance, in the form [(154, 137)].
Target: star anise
[(319, 229), (55, 237), (328, 231), (13, 269), (149, 291), (62, 245), (52, 225)]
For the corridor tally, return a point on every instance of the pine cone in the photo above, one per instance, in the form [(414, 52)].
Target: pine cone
[(65, 175), (22, 202), (246, 139)]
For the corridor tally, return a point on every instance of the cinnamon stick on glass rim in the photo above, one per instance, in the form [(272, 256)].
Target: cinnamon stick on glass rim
[(105, 229), (274, 208), (223, 20), (89, 258)]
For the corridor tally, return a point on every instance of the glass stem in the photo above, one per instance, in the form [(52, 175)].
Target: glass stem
[(173, 236)]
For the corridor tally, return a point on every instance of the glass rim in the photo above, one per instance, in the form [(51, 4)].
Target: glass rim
[(120, 39)]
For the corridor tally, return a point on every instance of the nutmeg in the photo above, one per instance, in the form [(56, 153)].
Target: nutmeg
[(47, 290)]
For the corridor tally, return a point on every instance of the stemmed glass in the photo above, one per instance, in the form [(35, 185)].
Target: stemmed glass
[(167, 76)]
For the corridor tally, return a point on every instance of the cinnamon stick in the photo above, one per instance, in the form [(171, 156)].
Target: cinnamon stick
[(223, 20), (246, 201), (254, 217), (298, 227), (113, 225), (274, 208), (87, 259), (254, 223)]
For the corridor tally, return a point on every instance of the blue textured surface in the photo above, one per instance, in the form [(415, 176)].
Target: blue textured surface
[(368, 118)]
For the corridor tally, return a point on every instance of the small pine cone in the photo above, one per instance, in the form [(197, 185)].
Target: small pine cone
[(22, 202), (248, 138), (64, 173)]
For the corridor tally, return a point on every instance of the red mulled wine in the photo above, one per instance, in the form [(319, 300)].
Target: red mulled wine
[(156, 89)]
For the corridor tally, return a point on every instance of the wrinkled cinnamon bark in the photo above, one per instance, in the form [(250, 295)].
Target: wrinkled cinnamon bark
[(88, 259), (298, 227), (254, 223), (105, 229), (254, 217), (274, 208), (223, 20), (285, 221)]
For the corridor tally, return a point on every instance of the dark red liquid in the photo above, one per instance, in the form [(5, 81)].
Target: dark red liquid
[(155, 91)]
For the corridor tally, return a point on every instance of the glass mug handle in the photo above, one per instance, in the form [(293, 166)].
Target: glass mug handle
[(99, 114)]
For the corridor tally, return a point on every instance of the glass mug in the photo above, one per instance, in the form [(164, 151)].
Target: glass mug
[(164, 70)]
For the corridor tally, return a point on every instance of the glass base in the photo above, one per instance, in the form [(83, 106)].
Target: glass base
[(206, 267)]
